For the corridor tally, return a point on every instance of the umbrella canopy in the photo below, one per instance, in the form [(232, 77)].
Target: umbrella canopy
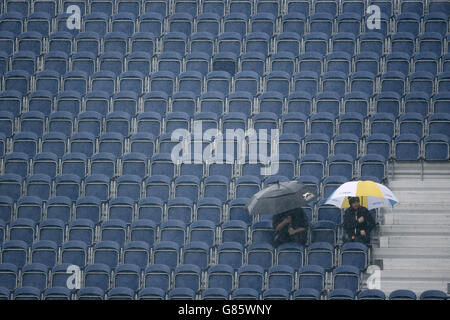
[(280, 197), (373, 195)]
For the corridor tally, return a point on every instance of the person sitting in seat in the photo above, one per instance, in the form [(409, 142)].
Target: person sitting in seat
[(358, 223), (290, 226)]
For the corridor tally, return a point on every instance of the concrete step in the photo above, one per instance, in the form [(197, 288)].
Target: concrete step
[(430, 208), (426, 185), (424, 230), (413, 196), (418, 275), (429, 252), (415, 241), (416, 219), (439, 264)]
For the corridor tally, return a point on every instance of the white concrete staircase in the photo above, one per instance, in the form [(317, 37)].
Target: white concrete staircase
[(414, 237)]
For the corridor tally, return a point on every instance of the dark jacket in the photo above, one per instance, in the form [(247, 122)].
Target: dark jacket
[(352, 227), (299, 220)]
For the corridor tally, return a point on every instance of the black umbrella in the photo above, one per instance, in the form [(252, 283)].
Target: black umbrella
[(280, 197)]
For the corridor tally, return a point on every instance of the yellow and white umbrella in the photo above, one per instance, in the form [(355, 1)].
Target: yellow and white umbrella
[(372, 195)]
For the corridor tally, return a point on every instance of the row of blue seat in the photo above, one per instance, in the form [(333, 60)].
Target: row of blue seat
[(120, 293), (247, 7), (171, 254), (186, 23)]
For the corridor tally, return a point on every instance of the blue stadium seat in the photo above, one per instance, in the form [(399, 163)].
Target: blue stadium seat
[(57, 293), (281, 277), (402, 295), (379, 143), (97, 275), (91, 293), (230, 253), (143, 230), (127, 276), (158, 276), (407, 147), (354, 254), (107, 252), (196, 253), (260, 254), (253, 61), (306, 294), (341, 294), (372, 165), (417, 102), (371, 294), (114, 230), (321, 254), (291, 254), (220, 276), (150, 23), (17, 163), (81, 230), (44, 252), (36, 275), (318, 143), (52, 230), (8, 276), (306, 81), (27, 293), (120, 293), (311, 277), (59, 208), (59, 275), (436, 147), (187, 276), (74, 252), (346, 277), (151, 294), (251, 276), (166, 252)]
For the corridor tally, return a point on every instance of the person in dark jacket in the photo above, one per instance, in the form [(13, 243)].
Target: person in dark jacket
[(358, 222), (290, 226)]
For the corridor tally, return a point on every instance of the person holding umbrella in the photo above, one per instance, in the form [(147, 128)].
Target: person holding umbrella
[(284, 200), (358, 223), (290, 226)]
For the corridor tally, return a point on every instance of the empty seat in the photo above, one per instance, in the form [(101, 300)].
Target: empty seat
[(260, 254), (8, 276), (107, 252), (321, 254), (127, 276), (341, 294), (373, 165), (44, 251), (143, 230), (97, 275), (74, 252), (407, 147), (311, 277), (157, 276), (36, 275), (436, 147), (166, 252), (136, 253), (402, 295), (114, 230), (371, 294), (346, 277), (10, 185), (306, 294), (196, 253), (81, 230), (230, 253), (251, 276), (17, 163)]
